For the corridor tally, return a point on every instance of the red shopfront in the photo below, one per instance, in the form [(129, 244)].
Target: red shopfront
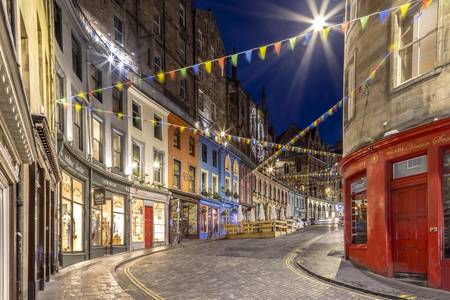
[(397, 204)]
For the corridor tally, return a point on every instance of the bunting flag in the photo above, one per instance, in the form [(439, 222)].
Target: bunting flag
[(292, 42), (426, 3), (183, 72), (161, 77), (325, 33), (364, 21), (383, 15), (277, 48), (404, 9), (262, 52), (196, 68), (208, 67), (248, 55), (221, 63), (234, 59), (119, 86), (172, 75), (307, 38)]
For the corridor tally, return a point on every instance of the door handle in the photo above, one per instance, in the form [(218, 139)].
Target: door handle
[(433, 229)]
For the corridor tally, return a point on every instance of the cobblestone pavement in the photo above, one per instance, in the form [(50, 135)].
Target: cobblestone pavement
[(231, 269)]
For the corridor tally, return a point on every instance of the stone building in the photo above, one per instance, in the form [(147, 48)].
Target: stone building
[(397, 140)]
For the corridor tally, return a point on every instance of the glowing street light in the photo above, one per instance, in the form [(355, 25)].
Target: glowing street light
[(318, 23)]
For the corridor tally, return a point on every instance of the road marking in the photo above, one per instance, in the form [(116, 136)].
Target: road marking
[(141, 286)]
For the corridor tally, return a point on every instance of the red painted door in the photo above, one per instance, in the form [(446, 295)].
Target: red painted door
[(148, 226), (409, 218)]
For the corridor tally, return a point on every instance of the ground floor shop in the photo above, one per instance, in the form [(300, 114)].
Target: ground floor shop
[(184, 216), (397, 204), (209, 219), (149, 215)]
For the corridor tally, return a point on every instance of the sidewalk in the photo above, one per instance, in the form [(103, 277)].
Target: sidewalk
[(324, 259), (95, 278)]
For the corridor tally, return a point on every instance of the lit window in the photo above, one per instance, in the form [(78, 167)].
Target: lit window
[(136, 164), (227, 163), (177, 138), (137, 115), (176, 174), (72, 214), (418, 31), (158, 163), (117, 150), (192, 179), (215, 183), (204, 181), (235, 168), (358, 197), (157, 127), (97, 139)]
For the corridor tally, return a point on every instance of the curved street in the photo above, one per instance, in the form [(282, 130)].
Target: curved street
[(231, 269)]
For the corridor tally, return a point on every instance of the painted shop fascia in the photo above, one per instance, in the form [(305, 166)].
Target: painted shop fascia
[(374, 163)]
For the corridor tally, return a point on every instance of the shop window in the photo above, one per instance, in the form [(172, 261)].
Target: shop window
[(177, 138), (214, 158), (358, 197), (106, 223), (96, 224), (204, 218), (176, 174), (204, 181), (204, 153), (137, 115), (159, 222), (418, 37), (157, 127), (158, 163), (216, 220), (215, 183), (72, 214), (136, 165), (191, 146), (446, 202), (192, 179), (117, 150), (97, 139), (137, 220), (118, 220), (410, 167), (192, 227)]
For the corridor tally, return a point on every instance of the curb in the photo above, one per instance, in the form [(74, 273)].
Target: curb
[(356, 288)]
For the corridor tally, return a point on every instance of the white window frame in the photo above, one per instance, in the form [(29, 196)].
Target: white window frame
[(215, 186), (141, 163), (101, 142), (117, 31), (139, 120), (161, 166), (120, 134), (204, 187)]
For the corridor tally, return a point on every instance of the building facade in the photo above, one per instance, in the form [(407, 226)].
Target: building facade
[(396, 141), (270, 197), (183, 180)]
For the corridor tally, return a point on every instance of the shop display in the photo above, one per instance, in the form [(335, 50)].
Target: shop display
[(137, 220), (159, 222), (118, 220), (205, 218), (72, 214)]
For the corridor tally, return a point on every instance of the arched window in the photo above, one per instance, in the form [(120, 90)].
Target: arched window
[(227, 163), (235, 168)]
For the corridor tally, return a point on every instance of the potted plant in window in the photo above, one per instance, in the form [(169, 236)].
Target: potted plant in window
[(216, 195), (228, 193), (236, 196)]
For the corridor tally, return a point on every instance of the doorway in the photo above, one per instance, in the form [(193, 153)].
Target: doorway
[(148, 226), (409, 227)]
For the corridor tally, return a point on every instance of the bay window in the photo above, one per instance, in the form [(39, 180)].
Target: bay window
[(418, 40)]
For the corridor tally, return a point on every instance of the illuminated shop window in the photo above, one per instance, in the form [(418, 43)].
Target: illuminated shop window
[(358, 197), (204, 218), (410, 167), (137, 220), (159, 222), (446, 202), (118, 220), (72, 214)]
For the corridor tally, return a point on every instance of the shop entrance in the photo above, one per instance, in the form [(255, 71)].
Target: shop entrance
[(148, 226), (409, 226)]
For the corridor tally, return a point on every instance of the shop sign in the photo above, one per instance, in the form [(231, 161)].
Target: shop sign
[(99, 196), (69, 160), (103, 181), (358, 186)]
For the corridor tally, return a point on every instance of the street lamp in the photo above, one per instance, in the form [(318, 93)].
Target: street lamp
[(318, 23)]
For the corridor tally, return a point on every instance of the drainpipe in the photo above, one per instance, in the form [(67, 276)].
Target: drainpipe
[(19, 235)]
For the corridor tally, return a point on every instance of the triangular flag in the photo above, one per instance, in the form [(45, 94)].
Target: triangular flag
[(307, 38), (404, 9), (208, 67), (221, 62), (183, 72), (363, 21), (248, 55), (182, 129), (172, 75), (196, 68), (262, 52), (161, 77), (292, 42), (277, 48), (326, 32), (383, 15), (234, 59), (426, 3)]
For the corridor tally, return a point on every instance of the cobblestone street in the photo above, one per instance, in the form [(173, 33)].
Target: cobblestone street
[(231, 269)]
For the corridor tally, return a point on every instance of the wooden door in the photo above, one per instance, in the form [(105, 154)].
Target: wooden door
[(409, 218), (148, 226)]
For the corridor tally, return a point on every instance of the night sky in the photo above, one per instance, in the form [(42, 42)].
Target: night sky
[(295, 92)]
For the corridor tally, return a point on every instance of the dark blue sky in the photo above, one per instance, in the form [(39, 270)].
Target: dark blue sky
[(295, 93)]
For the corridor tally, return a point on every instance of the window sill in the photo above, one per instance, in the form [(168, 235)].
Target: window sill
[(415, 80)]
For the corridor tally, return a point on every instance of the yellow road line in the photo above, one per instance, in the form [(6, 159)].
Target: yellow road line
[(141, 286)]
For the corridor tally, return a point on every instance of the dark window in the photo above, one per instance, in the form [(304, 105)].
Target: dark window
[(118, 30), (137, 121), (182, 15), (204, 153), (157, 63), (191, 146), (358, 197), (183, 86), (60, 94), (117, 150), (191, 179), (58, 24), (177, 138), (157, 25), (77, 117), (176, 174), (117, 100), (446, 202), (76, 58), (298, 166), (157, 126), (182, 49), (97, 139), (286, 168), (136, 160), (96, 83), (214, 158)]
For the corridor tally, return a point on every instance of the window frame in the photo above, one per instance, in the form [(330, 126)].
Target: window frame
[(136, 115), (191, 146), (133, 160), (77, 58), (176, 143), (204, 187), (161, 166), (157, 127), (100, 141), (119, 31), (114, 152), (192, 175), (176, 179)]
